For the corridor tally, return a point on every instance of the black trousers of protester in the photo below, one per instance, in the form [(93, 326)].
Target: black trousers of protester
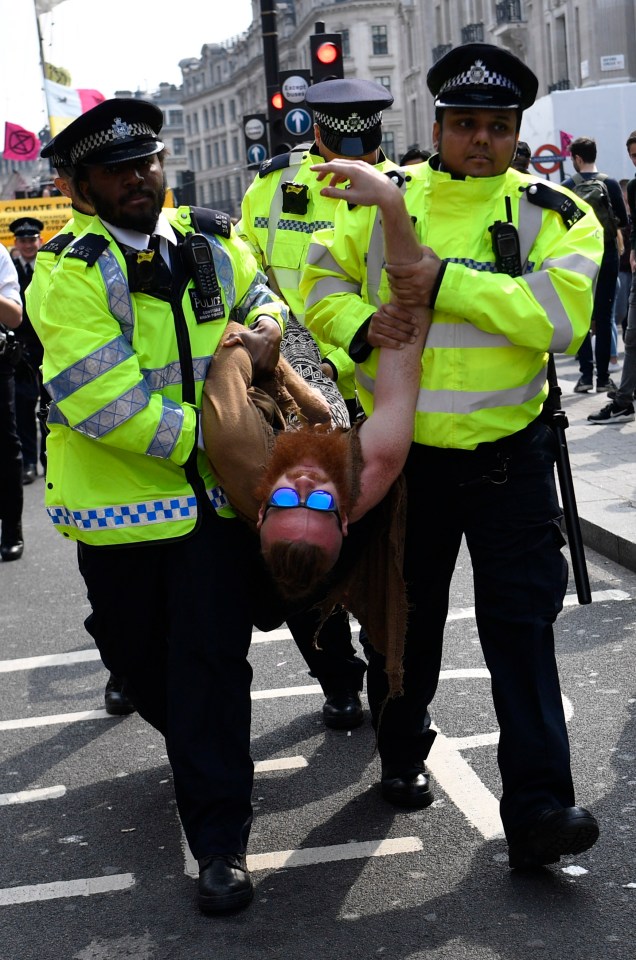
[(604, 297), (174, 620), (11, 493), (502, 498), (333, 662)]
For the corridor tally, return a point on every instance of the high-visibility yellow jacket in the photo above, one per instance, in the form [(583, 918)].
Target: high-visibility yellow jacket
[(484, 363), (279, 238), (49, 254), (123, 458)]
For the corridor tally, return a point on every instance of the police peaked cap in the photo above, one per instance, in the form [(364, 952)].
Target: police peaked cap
[(112, 132), (26, 227), (482, 76), (53, 152), (349, 114)]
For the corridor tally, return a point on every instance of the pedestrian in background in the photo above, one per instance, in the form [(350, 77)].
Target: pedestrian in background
[(605, 196), (621, 406), (11, 494), (482, 462), (414, 155), (522, 157), (28, 378)]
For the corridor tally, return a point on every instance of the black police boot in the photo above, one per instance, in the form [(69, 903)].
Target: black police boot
[(224, 883), (342, 710), (11, 541), (29, 473), (115, 700), (551, 835)]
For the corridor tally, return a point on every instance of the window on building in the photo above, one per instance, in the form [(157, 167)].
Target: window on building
[(197, 153), (380, 41), (388, 143), (208, 155), (385, 81), (195, 123), (232, 110), (216, 155), (175, 118), (178, 146), (213, 109), (346, 43), (188, 125), (223, 151), (206, 119), (222, 114), (235, 148)]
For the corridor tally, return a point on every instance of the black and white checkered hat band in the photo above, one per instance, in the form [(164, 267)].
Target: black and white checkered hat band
[(480, 76), (354, 123), (102, 138)]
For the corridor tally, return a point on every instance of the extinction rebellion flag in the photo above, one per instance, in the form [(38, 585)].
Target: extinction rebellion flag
[(20, 144)]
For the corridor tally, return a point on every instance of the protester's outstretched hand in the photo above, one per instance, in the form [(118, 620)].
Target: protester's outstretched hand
[(262, 341), (367, 186)]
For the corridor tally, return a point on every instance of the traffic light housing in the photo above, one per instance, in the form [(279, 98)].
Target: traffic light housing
[(279, 141), (326, 56)]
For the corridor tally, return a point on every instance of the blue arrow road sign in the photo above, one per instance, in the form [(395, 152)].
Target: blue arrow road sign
[(298, 122), (256, 153)]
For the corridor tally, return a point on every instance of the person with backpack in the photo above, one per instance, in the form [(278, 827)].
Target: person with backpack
[(605, 197)]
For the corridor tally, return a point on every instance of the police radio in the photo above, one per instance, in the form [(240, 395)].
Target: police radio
[(206, 298), (505, 244)]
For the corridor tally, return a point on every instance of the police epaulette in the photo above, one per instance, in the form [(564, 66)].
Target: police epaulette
[(211, 221), (279, 162), (89, 248), (543, 195), (57, 244)]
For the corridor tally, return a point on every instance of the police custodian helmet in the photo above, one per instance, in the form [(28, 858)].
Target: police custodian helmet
[(482, 76), (112, 132), (349, 114)]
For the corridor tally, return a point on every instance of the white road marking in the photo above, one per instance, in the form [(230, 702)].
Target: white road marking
[(69, 888), (280, 859), (272, 636), (458, 779), (24, 722), (282, 763), (30, 796)]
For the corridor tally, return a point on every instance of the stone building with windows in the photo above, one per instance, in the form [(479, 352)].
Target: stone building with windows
[(569, 45)]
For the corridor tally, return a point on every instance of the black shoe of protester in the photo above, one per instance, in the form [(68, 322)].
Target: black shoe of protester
[(224, 883), (115, 700), (552, 834), (29, 473), (342, 710)]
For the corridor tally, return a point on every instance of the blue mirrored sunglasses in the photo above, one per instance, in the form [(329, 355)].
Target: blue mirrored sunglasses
[(286, 498)]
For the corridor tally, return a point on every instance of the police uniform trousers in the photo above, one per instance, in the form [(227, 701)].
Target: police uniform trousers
[(174, 620), (502, 498), (11, 493), (331, 659)]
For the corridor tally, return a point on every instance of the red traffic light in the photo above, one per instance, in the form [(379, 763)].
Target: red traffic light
[(277, 100), (327, 53)]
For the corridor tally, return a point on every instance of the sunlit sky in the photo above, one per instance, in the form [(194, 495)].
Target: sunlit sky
[(106, 46)]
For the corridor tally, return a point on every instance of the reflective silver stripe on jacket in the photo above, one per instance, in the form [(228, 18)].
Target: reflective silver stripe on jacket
[(469, 401), (276, 206), (168, 430), (544, 293), (135, 514), (119, 300), (116, 412), (258, 295), (89, 368)]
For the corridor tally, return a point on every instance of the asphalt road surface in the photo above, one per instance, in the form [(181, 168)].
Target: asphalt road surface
[(94, 865)]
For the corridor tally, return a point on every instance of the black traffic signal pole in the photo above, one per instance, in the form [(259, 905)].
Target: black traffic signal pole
[(270, 57)]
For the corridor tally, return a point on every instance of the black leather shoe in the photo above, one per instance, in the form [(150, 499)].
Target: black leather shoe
[(342, 710), (11, 542), (551, 835), (115, 700), (224, 883), (29, 473), (409, 788)]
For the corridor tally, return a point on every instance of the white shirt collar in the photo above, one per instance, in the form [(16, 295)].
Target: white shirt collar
[(140, 241)]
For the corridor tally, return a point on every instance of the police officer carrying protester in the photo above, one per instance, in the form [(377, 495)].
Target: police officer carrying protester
[(11, 493), (134, 310), (116, 702), (482, 461), (280, 211), (26, 232)]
